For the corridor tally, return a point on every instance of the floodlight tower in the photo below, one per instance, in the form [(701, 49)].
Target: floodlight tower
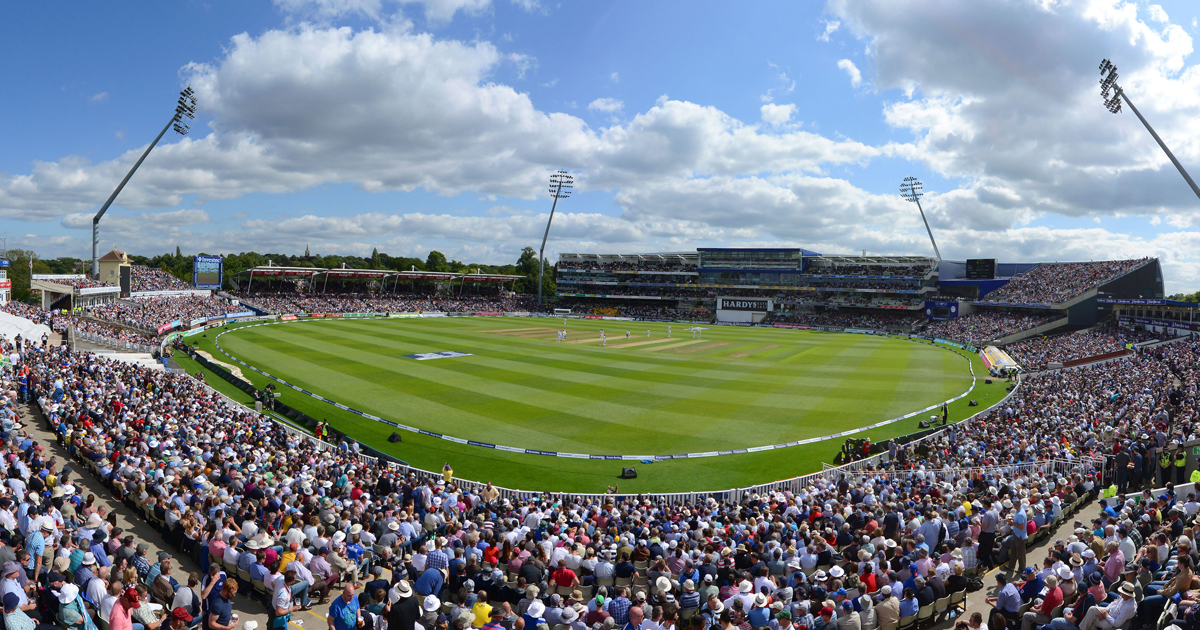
[(561, 183), (910, 189), (185, 107), (1108, 83)]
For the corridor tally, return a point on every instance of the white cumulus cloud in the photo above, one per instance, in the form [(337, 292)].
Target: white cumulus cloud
[(606, 105), (773, 114), (851, 70)]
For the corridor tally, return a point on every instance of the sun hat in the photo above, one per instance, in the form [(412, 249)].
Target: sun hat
[(67, 593)]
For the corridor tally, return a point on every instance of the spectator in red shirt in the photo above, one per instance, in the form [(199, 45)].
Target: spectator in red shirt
[(565, 577), (1040, 615)]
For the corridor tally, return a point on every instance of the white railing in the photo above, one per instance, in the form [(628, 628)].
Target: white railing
[(119, 344)]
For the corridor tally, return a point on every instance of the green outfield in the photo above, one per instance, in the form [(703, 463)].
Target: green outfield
[(731, 388)]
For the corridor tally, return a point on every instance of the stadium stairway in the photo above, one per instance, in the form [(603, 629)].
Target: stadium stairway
[(1049, 328)]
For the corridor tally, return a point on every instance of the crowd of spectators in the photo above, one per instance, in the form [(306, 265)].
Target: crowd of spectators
[(1037, 352), (621, 265), (148, 313), (145, 278), (81, 282), (846, 319), (623, 289), (105, 333), (1051, 283), (860, 550), (910, 271), (636, 311), (986, 325), (64, 559), (283, 303)]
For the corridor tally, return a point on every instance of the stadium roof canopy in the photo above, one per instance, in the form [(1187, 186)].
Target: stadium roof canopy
[(664, 256), (271, 271)]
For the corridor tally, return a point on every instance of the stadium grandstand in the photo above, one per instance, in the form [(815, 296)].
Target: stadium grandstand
[(976, 303), (897, 539), (307, 290)]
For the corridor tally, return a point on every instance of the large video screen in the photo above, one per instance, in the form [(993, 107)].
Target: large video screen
[(206, 272), (981, 268)]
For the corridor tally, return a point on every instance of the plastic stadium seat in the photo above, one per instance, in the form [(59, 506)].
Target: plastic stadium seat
[(925, 616), (941, 607), (958, 603), (907, 623)]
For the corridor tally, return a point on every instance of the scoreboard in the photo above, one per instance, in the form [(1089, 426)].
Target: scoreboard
[(981, 269)]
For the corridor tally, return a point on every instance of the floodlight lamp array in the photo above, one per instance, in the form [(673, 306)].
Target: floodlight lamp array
[(1109, 88), (184, 108), (561, 183), (910, 189)]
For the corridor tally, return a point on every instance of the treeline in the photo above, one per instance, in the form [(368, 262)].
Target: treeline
[(180, 266), (1185, 297)]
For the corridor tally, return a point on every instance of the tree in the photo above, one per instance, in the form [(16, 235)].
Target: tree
[(18, 272), (436, 262), (376, 261), (527, 265)]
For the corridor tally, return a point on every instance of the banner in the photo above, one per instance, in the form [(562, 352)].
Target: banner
[(743, 304), (289, 318), (197, 322), (95, 290), (196, 292), (232, 315), (168, 326)]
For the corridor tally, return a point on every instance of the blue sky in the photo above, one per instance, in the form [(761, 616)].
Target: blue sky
[(352, 124)]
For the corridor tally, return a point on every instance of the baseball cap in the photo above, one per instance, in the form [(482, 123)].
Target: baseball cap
[(131, 594)]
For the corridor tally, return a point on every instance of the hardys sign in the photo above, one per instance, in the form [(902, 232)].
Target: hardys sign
[(741, 304)]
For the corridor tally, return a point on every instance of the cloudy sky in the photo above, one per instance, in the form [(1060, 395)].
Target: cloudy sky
[(416, 124)]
